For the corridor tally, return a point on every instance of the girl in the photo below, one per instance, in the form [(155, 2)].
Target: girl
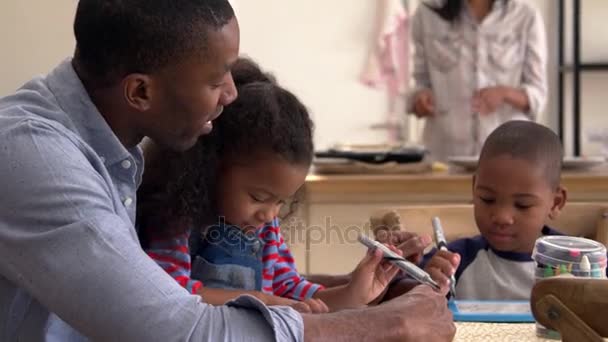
[(477, 64), (252, 164)]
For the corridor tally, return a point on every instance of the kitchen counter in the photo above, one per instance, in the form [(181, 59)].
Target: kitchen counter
[(433, 187)]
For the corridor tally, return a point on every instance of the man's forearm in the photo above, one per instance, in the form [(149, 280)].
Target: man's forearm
[(351, 325)]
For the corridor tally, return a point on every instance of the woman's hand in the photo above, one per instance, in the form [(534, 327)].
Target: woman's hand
[(424, 104), (487, 100)]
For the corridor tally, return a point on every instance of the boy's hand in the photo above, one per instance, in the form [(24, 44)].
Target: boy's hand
[(442, 266), (372, 276)]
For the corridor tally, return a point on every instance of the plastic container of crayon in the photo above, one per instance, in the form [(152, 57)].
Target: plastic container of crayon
[(567, 256)]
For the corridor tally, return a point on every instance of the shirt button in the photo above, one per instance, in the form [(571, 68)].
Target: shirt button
[(125, 164), (128, 201)]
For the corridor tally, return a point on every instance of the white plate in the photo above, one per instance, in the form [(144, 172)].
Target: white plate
[(577, 163), (467, 162), (570, 163), (374, 147)]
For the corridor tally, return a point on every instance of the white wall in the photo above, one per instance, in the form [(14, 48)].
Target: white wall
[(315, 47), (35, 35)]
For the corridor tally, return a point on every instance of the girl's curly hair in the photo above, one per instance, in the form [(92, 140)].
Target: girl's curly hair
[(178, 191)]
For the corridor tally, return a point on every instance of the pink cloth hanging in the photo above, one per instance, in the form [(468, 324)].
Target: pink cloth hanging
[(387, 64)]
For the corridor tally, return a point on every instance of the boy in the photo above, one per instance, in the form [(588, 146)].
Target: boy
[(515, 189)]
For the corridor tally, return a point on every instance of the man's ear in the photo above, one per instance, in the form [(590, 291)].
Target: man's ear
[(138, 89), (559, 200)]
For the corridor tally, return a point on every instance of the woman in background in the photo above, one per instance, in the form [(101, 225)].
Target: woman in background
[(477, 64)]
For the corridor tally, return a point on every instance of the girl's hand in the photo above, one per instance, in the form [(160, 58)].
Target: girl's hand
[(371, 277), (311, 305)]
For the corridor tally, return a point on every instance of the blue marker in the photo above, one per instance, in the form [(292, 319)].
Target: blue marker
[(443, 245)]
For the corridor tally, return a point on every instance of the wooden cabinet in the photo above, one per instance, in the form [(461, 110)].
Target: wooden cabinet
[(322, 234)]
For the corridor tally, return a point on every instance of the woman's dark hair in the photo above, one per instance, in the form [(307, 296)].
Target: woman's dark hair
[(450, 10), (265, 118)]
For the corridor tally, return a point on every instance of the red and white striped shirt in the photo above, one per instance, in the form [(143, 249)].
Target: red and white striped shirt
[(279, 274)]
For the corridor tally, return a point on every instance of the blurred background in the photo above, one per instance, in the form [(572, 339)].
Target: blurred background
[(318, 49)]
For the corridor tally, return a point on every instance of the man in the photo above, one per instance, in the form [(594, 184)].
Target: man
[(72, 267)]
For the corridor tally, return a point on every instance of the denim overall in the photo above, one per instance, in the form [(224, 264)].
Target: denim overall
[(227, 258)]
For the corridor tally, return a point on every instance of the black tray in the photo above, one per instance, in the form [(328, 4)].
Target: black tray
[(401, 155)]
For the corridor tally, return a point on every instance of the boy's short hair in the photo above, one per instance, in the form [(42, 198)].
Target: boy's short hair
[(529, 141)]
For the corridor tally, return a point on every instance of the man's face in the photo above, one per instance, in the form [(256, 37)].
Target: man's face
[(188, 96)]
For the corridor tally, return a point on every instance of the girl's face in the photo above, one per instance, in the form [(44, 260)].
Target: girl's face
[(252, 193)]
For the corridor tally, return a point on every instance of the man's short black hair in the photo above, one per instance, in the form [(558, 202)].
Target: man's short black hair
[(117, 37), (529, 141)]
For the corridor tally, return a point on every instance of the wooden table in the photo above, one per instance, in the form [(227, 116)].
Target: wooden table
[(496, 332), (323, 232)]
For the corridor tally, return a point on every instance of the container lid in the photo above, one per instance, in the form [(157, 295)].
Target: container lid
[(558, 249)]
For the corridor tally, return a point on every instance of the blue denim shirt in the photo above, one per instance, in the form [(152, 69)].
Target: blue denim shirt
[(228, 258), (72, 265)]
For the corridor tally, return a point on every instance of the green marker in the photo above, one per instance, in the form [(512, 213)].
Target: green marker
[(548, 272), (563, 269)]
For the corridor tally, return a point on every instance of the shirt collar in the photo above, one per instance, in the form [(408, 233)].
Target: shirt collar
[(73, 98)]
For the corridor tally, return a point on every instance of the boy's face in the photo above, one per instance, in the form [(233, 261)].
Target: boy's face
[(252, 194), (512, 200)]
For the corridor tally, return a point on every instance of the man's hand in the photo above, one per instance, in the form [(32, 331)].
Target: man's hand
[(424, 315), (419, 315)]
